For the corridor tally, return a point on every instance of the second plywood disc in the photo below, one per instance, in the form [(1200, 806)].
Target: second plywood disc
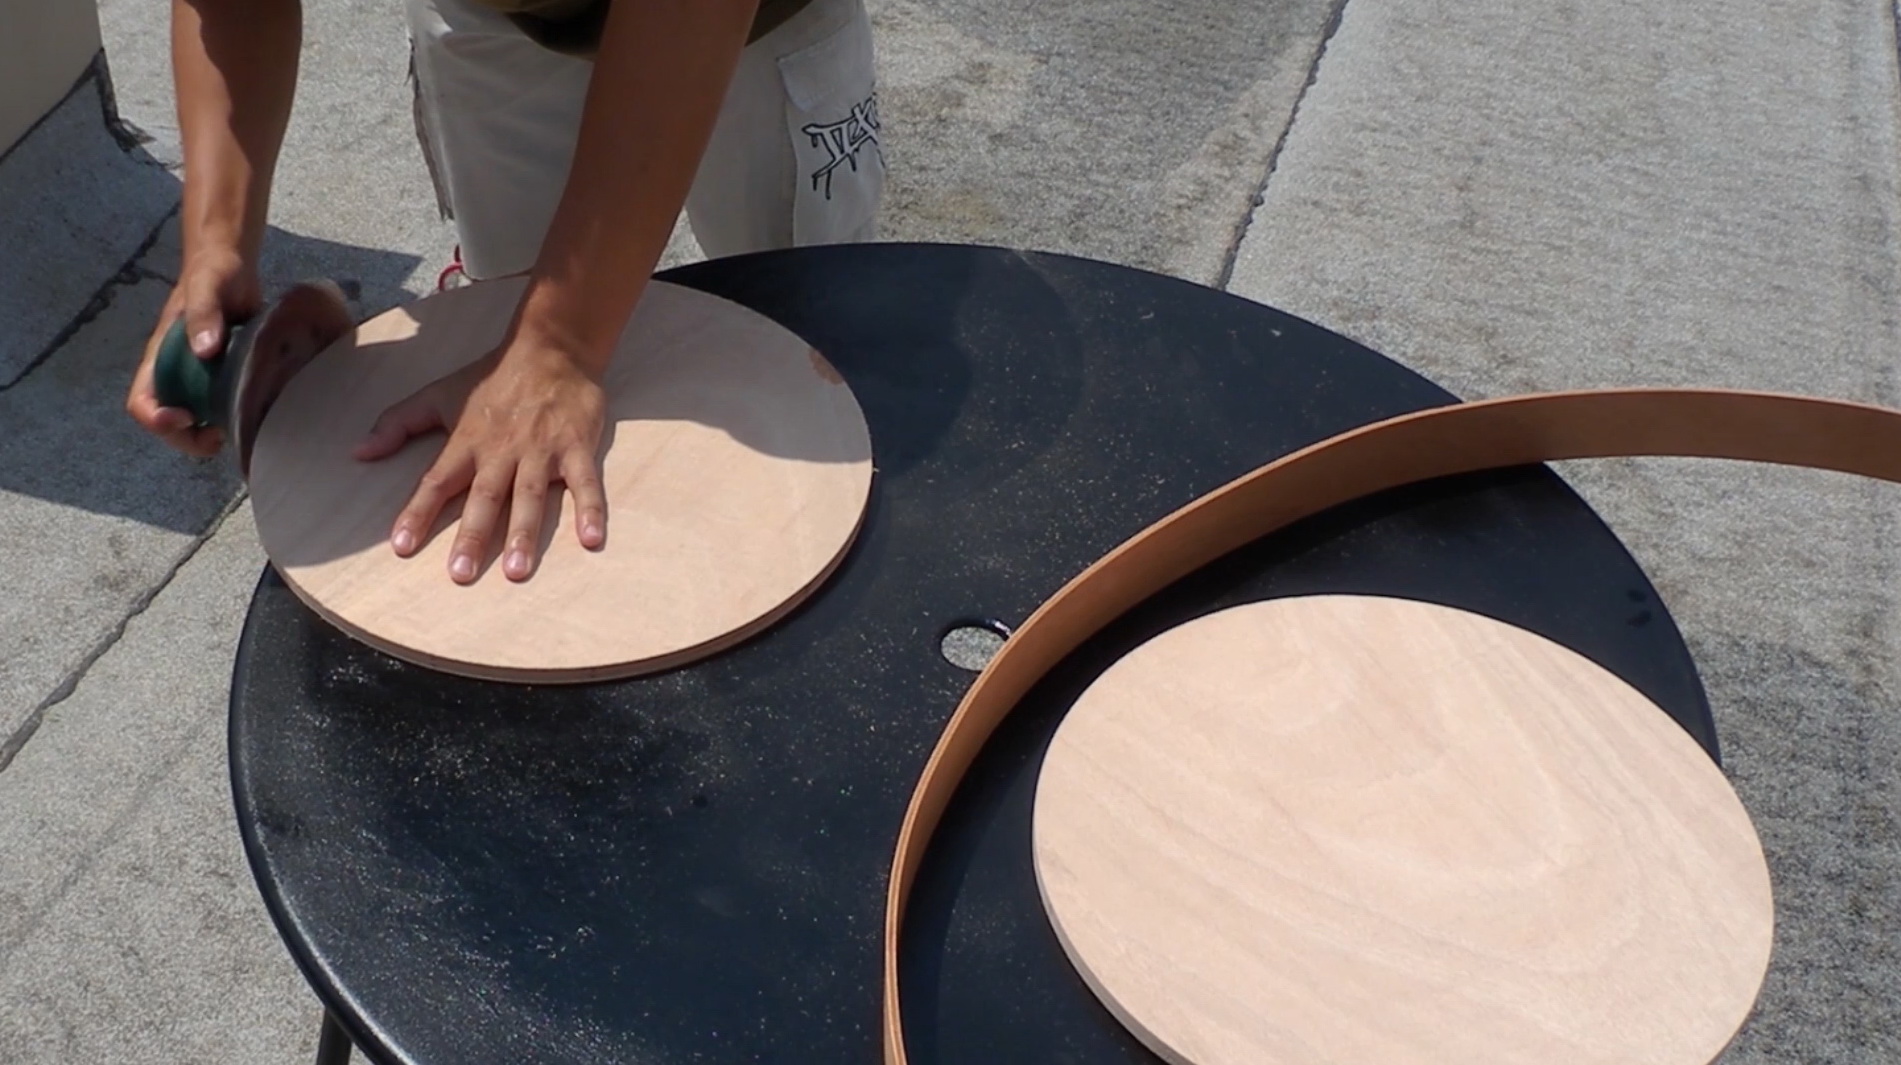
[(1346, 829), (737, 470)]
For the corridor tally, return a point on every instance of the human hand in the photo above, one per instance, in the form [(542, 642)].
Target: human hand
[(214, 286), (520, 418)]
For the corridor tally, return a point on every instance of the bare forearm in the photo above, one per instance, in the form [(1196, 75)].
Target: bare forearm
[(659, 81), (234, 64)]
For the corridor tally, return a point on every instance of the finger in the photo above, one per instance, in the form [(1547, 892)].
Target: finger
[(488, 494), (204, 317), (581, 470), (203, 442), (171, 424), (144, 408), (412, 417), (524, 518), (447, 478)]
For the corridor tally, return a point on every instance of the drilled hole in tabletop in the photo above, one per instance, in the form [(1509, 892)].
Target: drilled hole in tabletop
[(972, 644)]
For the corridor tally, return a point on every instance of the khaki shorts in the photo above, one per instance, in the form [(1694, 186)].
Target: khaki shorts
[(794, 158)]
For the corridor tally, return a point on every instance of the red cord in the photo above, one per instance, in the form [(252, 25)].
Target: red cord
[(454, 268)]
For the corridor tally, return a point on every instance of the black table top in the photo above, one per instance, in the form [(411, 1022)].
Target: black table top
[(691, 867)]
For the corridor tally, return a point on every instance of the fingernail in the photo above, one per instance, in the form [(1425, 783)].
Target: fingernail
[(463, 568), (205, 342), (592, 530), (404, 540), (516, 563)]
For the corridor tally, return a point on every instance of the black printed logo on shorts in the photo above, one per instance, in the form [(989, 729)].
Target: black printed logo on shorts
[(843, 140)]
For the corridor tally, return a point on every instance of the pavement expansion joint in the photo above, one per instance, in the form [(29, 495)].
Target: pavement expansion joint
[(1233, 251), (114, 831), (131, 272), (130, 137), (17, 742)]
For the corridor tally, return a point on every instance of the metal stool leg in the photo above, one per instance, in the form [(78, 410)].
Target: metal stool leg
[(333, 1046)]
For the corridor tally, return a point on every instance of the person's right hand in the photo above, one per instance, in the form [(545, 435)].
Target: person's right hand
[(214, 286)]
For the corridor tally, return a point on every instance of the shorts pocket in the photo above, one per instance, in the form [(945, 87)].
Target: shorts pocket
[(832, 118)]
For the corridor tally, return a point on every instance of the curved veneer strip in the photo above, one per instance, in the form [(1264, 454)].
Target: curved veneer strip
[(1520, 430)]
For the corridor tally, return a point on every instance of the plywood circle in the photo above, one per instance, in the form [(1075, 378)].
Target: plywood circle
[(737, 469), (1351, 829)]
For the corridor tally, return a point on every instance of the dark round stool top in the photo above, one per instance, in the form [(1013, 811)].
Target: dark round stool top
[(691, 867)]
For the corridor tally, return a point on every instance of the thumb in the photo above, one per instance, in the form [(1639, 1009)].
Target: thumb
[(413, 417), (204, 319)]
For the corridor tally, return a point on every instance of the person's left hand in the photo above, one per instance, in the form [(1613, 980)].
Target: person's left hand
[(519, 419)]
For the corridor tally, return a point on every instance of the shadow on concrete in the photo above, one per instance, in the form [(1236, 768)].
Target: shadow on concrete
[(69, 441), (76, 203), (375, 279), (89, 220)]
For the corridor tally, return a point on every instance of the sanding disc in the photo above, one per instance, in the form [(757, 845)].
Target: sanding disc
[(1351, 829), (737, 468)]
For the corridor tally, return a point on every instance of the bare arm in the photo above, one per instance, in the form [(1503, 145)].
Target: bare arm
[(531, 412), (659, 81), (234, 65)]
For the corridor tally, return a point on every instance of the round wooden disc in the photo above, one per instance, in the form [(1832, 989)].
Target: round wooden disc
[(737, 468), (1353, 829)]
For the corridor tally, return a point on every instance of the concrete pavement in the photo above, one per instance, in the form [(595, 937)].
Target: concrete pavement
[(1509, 198), (1506, 196), (85, 206), (130, 930)]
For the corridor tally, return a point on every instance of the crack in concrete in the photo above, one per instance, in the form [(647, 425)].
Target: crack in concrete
[(130, 138), (17, 742), (1233, 253), (97, 74), (113, 832), (131, 272)]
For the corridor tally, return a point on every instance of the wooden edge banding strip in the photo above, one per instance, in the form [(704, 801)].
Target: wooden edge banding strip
[(1439, 442)]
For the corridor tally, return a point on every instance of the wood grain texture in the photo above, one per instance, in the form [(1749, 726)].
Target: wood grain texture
[(737, 467), (1438, 442), (1342, 829)]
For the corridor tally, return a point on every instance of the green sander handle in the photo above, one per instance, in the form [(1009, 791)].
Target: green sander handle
[(181, 379)]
